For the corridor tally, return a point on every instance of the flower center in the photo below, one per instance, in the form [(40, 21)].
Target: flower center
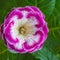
[(22, 30), (27, 29)]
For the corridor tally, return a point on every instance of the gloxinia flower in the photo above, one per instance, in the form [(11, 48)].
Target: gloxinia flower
[(24, 30)]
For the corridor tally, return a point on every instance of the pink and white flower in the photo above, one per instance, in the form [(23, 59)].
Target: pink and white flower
[(24, 29)]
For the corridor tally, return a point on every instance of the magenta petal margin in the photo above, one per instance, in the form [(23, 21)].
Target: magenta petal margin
[(24, 30)]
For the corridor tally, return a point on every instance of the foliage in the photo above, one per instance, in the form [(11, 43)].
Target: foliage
[(51, 49)]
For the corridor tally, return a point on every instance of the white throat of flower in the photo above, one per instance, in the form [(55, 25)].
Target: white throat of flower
[(24, 29)]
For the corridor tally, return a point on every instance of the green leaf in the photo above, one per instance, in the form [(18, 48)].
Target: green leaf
[(47, 6), (50, 8), (45, 54), (53, 41)]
